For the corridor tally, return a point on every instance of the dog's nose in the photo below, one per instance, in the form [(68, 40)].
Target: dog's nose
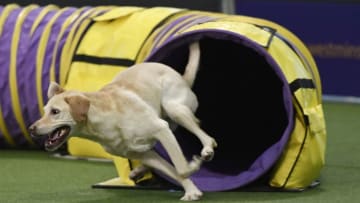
[(32, 130)]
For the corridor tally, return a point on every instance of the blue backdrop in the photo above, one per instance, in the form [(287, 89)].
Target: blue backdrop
[(330, 30)]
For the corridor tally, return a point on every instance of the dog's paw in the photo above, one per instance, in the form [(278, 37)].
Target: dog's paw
[(193, 166), (192, 196), (138, 173), (207, 153)]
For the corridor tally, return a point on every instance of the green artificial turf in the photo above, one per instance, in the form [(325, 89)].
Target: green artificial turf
[(35, 176)]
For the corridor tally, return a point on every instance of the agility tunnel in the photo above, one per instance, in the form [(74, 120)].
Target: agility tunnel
[(258, 86)]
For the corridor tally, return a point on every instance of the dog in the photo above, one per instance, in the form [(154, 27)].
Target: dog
[(129, 115)]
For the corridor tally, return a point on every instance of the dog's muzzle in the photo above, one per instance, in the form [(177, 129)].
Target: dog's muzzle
[(32, 130), (55, 138)]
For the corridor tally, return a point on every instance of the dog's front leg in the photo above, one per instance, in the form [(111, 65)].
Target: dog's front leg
[(172, 147), (154, 160)]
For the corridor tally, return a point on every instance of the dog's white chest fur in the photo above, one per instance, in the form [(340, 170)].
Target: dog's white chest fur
[(128, 141), (123, 135), (125, 147)]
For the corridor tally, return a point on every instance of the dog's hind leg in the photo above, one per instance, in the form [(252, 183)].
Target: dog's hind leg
[(182, 115), (165, 136), (154, 160)]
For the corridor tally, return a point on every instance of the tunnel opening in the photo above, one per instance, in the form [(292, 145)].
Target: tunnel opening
[(242, 104)]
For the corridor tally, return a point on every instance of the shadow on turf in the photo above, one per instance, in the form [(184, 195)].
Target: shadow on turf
[(148, 196), (163, 191)]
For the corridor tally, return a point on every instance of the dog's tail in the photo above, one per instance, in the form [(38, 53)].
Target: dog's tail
[(193, 63)]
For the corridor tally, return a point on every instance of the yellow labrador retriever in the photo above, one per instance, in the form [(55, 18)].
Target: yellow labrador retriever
[(127, 117)]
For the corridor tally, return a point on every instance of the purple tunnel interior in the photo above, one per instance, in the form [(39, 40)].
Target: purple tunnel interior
[(244, 103)]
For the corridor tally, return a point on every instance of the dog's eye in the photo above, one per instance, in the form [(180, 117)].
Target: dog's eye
[(55, 111)]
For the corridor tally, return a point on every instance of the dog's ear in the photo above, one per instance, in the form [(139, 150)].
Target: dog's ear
[(54, 89), (79, 107)]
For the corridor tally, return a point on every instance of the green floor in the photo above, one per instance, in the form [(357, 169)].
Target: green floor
[(34, 176)]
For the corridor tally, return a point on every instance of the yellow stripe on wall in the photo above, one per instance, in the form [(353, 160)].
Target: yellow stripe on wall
[(12, 72)]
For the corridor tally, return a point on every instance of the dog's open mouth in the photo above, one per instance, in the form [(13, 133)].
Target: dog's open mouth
[(57, 138)]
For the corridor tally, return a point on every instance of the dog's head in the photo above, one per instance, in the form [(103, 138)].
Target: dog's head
[(64, 112)]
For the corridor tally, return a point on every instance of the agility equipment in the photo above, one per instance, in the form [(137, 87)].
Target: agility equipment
[(258, 86)]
